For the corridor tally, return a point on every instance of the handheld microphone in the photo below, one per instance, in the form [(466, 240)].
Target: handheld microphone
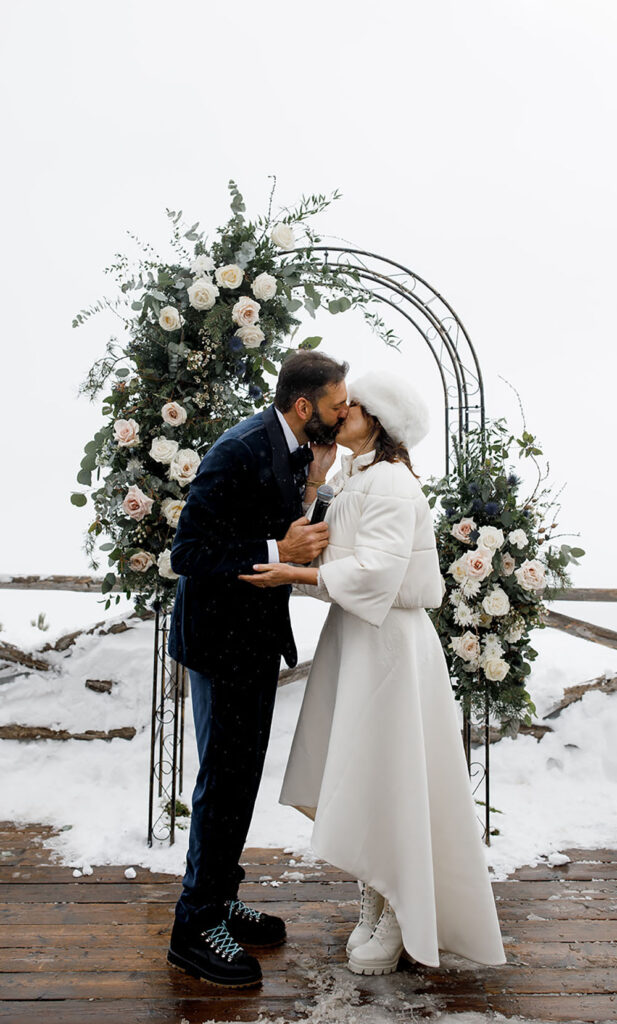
[(325, 495)]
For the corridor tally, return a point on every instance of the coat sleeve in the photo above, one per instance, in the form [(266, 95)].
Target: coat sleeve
[(209, 537), (366, 582)]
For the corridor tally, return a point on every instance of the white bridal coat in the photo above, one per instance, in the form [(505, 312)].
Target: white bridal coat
[(377, 758)]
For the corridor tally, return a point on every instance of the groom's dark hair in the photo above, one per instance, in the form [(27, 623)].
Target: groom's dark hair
[(307, 375)]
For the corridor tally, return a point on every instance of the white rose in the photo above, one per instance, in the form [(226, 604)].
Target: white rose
[(508, 564), (466, 646), (141, 561), (171, 509), (495, 668), (184, 466), (202, 293), (518, 538), (530, 576), (264, 286), (174, 414), (462, 529), (245, 311), (478, 563), (169, 319), (515, 632), (126, 433), (229, 276), (163, 450), (251, 335), (283, 236), (496, 602), (164, 564), (202, 265), (490, 537)]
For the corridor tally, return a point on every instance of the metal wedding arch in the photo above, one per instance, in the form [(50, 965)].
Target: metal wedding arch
[(432, 318)]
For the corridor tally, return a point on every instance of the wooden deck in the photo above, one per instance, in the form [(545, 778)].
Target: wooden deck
[(92, 949)]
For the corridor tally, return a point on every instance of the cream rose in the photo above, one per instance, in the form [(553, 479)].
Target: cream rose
[(136, 504), (174, 414), (531, 575), (457, 570), (126, 433), (508, 564), (462, 529), (518, 538), (141, 561), (490, 537), (202, 293), (245, 311), (171, 509), (169, 318), (163, 450), (251, 335), (229, 276), (184, 466), (496, 602), (495, 668), (202, 265), (478, 563), (264, 287), (283, 236), (466, 646), (164, 564)]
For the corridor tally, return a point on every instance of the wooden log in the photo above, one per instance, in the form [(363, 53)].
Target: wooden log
[(14, 731), (572, 694), (13, 654), (76, 584), (582, 629), (583, 594)]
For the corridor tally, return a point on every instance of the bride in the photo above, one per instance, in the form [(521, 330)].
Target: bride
[(377, 758)]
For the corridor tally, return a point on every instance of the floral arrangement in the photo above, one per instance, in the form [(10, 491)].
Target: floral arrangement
[(205, 328), (498, 562)]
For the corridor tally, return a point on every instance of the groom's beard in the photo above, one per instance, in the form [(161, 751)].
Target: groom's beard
[(319, 432)]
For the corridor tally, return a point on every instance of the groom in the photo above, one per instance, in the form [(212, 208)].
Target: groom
[(244, 507)]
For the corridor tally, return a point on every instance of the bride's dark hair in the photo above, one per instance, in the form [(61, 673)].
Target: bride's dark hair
[(386, 448)]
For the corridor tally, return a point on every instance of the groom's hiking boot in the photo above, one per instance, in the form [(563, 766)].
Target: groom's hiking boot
[(382, 952), (212, 955), (371, 906), (253, 927)]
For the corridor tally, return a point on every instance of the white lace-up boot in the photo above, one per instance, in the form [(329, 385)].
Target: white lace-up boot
[(371, 906), (381, 954)]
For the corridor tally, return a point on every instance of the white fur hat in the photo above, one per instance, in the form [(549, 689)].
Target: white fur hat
[(397, 406)]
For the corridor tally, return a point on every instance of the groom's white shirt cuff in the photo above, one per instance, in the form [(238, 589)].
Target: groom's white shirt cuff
[(292, 444)]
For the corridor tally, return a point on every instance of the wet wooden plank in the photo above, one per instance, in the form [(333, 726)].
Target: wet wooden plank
[(580, 871), (239, 1007), (555, 1007), (135, 892)]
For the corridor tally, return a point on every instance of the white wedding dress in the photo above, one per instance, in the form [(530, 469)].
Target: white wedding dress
[(377, 758)]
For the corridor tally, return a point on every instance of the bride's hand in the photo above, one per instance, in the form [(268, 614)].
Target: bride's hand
[(323, 457), (274, 574)]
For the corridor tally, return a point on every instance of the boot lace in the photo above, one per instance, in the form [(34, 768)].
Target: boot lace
[(221, 941), (368, 901), (239, 907), (385, 922)]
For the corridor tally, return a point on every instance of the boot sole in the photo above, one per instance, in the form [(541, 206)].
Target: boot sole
[(262, 945), (389, 968), (179, 964)]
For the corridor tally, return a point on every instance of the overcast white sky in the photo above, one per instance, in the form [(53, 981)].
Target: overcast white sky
[(474, 142)]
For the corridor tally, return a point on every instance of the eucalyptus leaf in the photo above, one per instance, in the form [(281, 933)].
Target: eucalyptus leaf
[(78, 499)]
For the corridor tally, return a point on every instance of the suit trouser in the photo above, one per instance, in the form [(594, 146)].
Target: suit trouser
[(232, 709)]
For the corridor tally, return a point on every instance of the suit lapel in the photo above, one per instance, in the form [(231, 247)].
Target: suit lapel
[(280, 461)]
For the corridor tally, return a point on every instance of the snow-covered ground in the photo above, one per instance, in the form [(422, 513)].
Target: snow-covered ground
[(552, 794)]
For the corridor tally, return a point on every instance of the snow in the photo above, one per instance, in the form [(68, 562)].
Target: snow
[(549, 795)]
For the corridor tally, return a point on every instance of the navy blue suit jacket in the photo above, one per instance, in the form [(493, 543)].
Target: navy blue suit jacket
[(244, 492)]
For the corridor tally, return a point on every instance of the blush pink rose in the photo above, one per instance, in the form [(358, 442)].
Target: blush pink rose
[(137, 504), (174, 414), (478, 563), (126, 433), (462, 529)]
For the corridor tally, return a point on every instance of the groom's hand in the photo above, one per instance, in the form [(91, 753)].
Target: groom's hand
[(303, 542)]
